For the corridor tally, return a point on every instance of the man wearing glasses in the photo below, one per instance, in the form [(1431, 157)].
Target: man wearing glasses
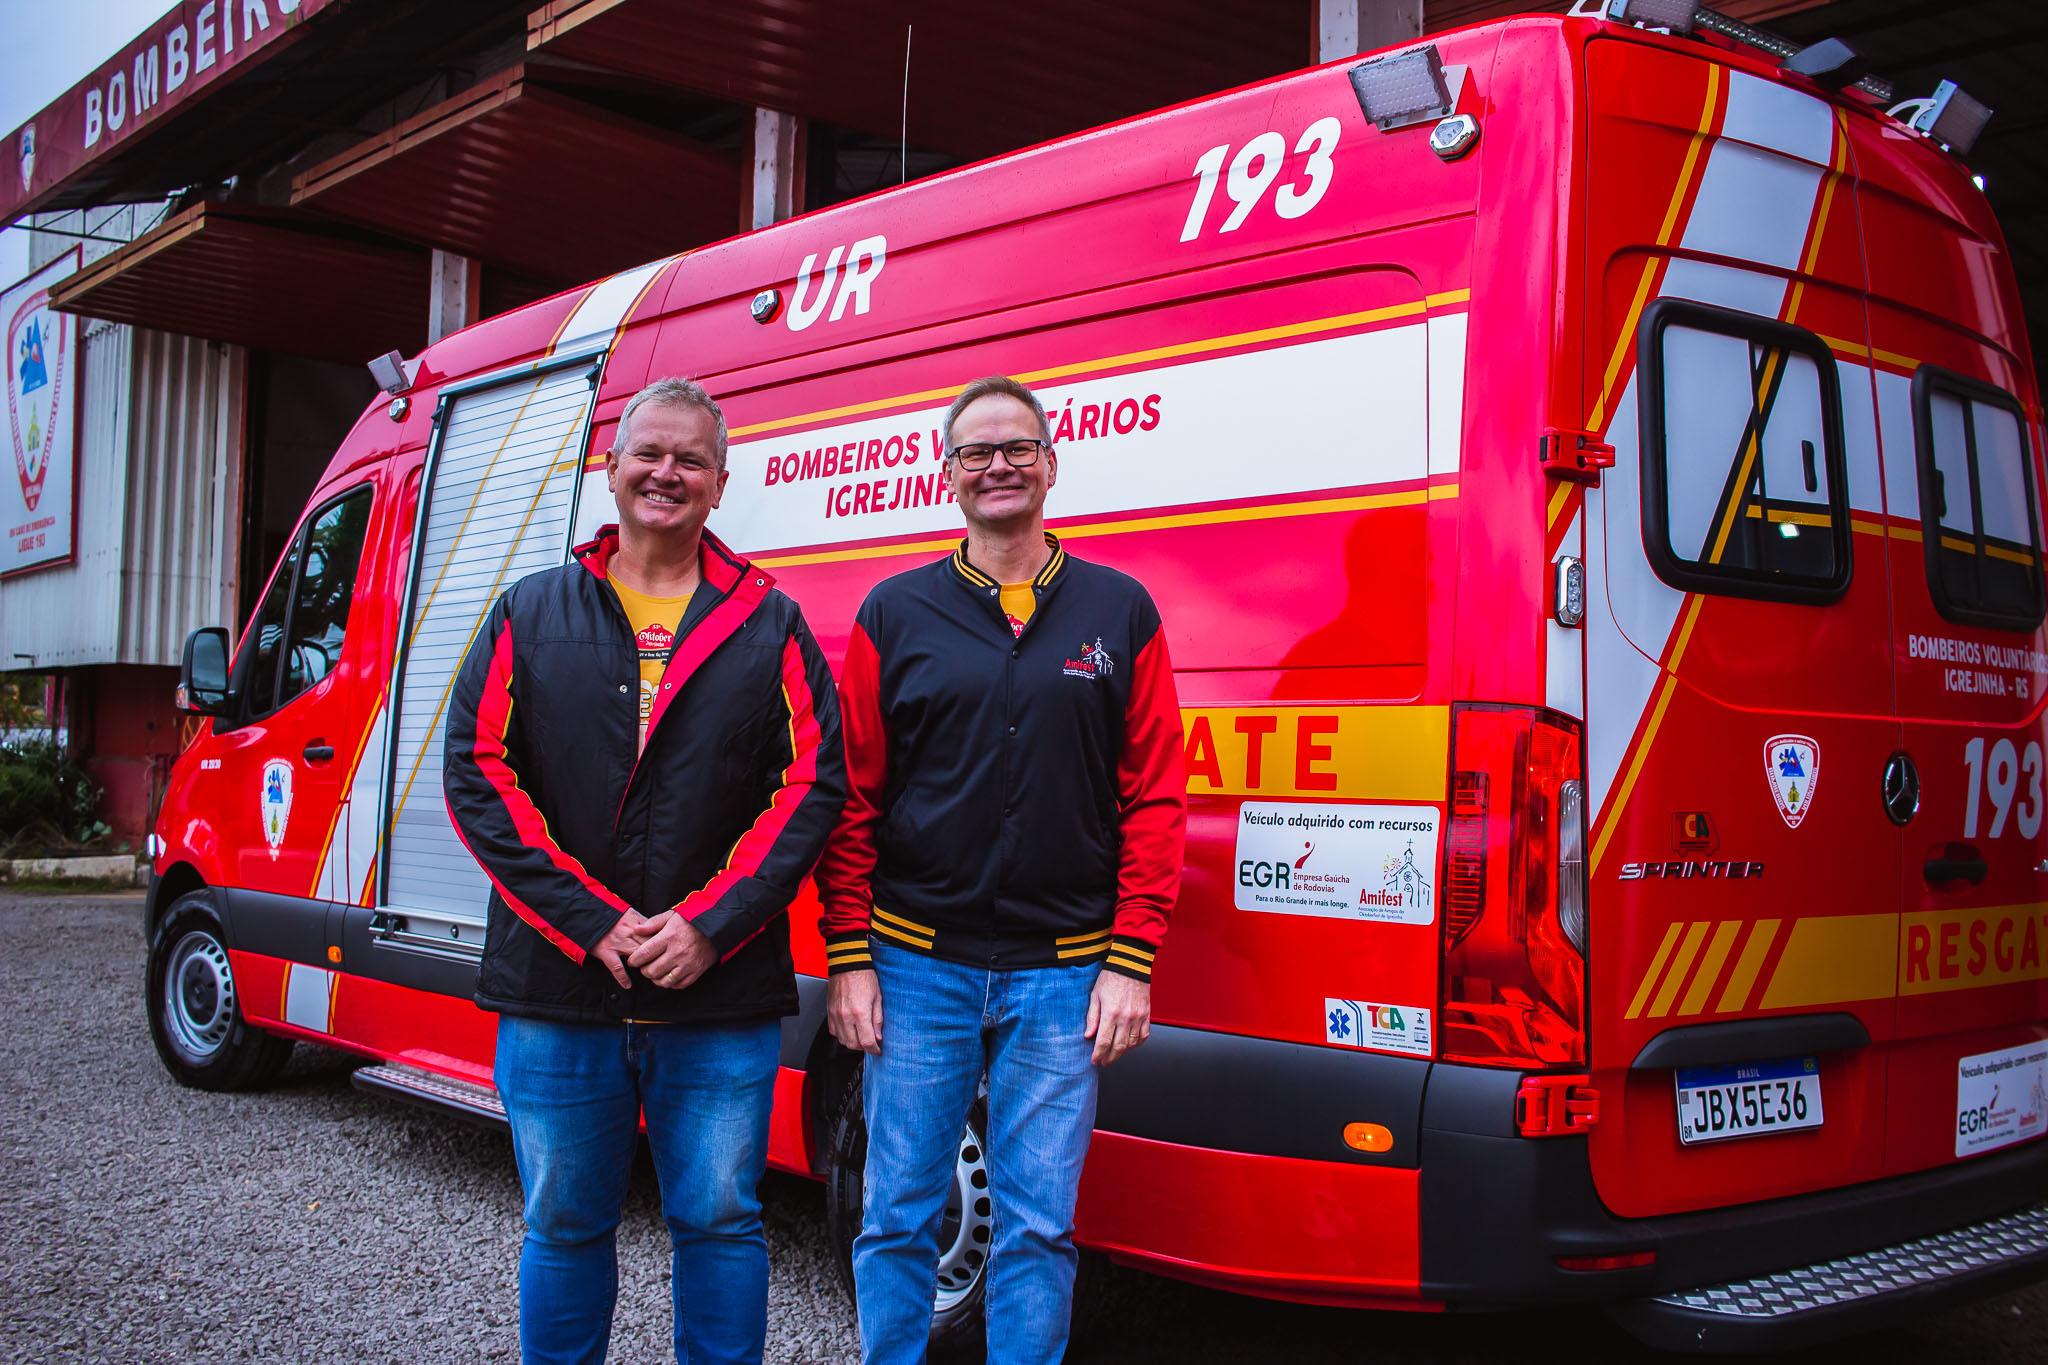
[(1000, 881)]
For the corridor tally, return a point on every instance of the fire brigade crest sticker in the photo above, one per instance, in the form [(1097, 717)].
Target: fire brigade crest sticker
[(1792, 767), (277, 802), (35, 390)]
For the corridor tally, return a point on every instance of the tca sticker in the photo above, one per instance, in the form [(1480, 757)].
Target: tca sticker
[(1367, 1024), (1792, 767), (277, 802)]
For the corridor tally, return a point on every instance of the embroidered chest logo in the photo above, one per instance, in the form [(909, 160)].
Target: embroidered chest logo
[(1092, 662)]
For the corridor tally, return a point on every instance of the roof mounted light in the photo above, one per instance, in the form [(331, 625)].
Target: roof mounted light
[(1406, 88), (1686, 17), (1950, 116), (1830, 64), (389, 372), (1679, 16)]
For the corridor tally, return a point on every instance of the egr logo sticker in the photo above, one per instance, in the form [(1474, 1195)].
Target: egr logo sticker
[(1792, 767), (1355, 862)]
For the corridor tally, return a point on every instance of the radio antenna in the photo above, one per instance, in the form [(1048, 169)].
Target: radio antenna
[(903, 143)]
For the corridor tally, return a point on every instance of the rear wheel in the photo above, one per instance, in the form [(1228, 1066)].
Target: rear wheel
[(195, 1015), (958, 1331)]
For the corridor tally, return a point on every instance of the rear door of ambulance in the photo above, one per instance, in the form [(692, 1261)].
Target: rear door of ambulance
[(1739, 680), (1963, 478)]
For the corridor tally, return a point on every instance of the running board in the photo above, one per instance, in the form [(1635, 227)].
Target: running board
[(464, 1099), (1871, 1289)]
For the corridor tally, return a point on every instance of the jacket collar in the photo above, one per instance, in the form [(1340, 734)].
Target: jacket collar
[(1047, 576), (721, 567)]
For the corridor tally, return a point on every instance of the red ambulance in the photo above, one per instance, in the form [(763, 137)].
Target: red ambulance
[(1591, 479)]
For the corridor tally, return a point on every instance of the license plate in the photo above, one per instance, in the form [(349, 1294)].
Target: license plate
[(1748, 1099)]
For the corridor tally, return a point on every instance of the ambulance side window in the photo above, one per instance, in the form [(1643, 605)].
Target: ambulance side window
[(1980, 515), (1743, 485), (267, 639), (300, 626)]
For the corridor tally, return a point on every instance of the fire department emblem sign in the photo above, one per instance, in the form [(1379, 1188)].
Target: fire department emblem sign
[(277, 802), (36, 351), (1792, 767)]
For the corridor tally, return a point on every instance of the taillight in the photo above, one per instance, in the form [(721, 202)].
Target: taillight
[(1515, 889)]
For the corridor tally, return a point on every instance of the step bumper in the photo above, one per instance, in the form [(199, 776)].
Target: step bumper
[(1858, 1293), (465, 1099)]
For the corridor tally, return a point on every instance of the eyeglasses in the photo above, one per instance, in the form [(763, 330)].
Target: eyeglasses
[(1020, 454)]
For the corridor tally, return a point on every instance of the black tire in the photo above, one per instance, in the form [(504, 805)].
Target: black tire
[(195, 1017), (959, 1331)]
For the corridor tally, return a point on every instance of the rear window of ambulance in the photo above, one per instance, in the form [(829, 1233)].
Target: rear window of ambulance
[(1980, 511), (1742, 456)]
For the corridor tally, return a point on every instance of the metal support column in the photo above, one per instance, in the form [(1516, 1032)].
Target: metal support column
[(773, 170), (1345, 28), (453, 297)]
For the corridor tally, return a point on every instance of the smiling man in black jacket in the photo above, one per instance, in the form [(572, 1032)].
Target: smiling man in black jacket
[(643, 753), (1000, 881)]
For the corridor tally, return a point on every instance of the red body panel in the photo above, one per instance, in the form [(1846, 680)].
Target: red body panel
[(1311, 1231)]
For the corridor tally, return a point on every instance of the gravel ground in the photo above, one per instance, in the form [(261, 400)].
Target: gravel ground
[(143, 1222)]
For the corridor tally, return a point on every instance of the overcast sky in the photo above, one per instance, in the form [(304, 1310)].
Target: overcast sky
[(45, 49)]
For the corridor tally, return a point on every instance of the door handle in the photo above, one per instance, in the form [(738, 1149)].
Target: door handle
[(318, 752), (1955, 863)]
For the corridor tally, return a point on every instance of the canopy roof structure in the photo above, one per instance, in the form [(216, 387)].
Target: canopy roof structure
[(513, 132), (259, 277)]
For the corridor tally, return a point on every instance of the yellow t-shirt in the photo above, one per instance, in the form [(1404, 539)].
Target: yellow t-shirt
[(1019, 601), (654, 621)]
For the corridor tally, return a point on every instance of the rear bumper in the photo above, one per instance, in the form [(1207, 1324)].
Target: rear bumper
[(1459, 1210), (1496, 1211)]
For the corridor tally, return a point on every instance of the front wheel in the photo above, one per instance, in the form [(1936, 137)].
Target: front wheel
[(958, 1325), (195, 1015)]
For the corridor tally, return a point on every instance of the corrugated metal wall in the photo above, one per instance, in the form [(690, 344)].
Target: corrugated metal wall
[(183, 510), (158, 502)]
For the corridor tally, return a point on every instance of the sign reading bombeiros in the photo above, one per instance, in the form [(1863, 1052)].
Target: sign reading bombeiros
[(39, 487)]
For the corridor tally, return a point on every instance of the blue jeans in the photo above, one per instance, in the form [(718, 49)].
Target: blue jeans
[(574, 1094), (942, 1025)]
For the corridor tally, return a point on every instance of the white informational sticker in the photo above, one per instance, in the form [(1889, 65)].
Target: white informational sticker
[(2001, 1098), (1390, 1028), (1375, 863)]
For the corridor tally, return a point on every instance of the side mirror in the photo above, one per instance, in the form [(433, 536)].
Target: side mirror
[(203, 682)]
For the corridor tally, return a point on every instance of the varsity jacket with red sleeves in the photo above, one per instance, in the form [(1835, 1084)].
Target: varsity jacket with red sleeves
[(1013, 801), (719, 819)]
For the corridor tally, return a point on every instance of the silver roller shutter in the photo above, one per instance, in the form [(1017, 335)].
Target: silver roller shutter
[(501, 499)]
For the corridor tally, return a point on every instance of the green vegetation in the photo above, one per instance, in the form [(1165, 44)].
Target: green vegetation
[(46, 800)]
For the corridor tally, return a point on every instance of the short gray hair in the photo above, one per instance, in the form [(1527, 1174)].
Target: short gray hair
[(673, 392), (984, 388)]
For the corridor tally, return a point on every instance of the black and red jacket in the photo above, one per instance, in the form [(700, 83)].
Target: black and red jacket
[(1013, 801), (720, 819)]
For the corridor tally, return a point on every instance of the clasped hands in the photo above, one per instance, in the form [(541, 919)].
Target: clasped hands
[(666, 949)]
